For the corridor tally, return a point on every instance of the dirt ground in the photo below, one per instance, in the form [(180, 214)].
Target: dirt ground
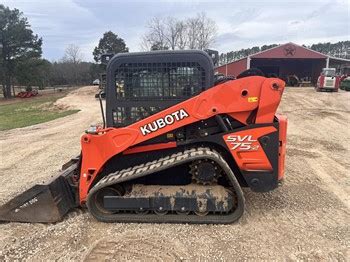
[(307, 218)]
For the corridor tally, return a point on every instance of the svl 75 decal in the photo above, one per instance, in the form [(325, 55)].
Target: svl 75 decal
[(244, 143)]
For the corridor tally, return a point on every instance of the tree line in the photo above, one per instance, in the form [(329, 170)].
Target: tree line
[(340, 49), (231, 56)]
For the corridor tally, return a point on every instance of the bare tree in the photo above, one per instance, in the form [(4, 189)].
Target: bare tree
[(193, 33), (145, 44), (72, 58), (155, 35), (207, 30), (172, 32), (72, 54), (201, 32), (182, 38)]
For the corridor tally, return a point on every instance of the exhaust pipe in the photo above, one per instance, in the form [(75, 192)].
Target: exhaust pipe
[(47, 203)]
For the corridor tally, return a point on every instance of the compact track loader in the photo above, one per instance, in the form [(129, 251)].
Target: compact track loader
[(177, 146)]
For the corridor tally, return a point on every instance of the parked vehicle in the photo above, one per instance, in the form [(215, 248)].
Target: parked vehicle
[(328, 80), (345, 84), (27, 94)]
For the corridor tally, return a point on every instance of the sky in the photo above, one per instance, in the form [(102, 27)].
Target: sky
[(241, 24)]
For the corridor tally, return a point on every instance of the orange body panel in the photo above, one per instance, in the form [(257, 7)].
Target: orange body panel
[(147, 148), (282, 145), (237, 98), (268, 103), (246, 149)]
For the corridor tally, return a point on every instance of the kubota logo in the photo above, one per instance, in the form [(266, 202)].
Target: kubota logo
[(163, 122), (244, 143)]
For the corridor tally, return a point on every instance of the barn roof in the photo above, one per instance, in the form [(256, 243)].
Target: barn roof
[(289, 50)]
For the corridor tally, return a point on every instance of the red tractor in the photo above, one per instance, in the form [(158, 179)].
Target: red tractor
[(27, 94)]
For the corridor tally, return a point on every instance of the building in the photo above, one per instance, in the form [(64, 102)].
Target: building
[(285, 60)]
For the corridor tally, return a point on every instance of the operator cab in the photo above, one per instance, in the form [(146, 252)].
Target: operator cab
[(328, 72), (142, 84)]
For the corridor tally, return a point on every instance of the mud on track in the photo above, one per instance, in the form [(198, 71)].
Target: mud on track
[(307, 218)]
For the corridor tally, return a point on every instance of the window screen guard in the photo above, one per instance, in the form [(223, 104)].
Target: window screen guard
[(141, 89)]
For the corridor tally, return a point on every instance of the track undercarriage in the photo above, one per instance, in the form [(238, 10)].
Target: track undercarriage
[(119, 198)]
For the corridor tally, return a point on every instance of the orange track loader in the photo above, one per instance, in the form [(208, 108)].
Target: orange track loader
[(177, 146)]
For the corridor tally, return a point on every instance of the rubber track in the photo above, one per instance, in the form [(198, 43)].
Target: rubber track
[(161, 164)]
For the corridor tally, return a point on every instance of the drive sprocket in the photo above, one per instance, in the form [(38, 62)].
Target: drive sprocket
[(205, 171)]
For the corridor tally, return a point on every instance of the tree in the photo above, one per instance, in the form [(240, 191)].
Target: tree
[(62, 73), (201, 32), (17, 45), (158, 46), (95, 70), (72, 54), (265, 47), (236, 55), (72, 58), (173, 32), (33, 72), (155, 39), (182, 37), (109, 43), (340, 49)]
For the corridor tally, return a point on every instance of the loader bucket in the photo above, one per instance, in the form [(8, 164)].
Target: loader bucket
[(46, 203)]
